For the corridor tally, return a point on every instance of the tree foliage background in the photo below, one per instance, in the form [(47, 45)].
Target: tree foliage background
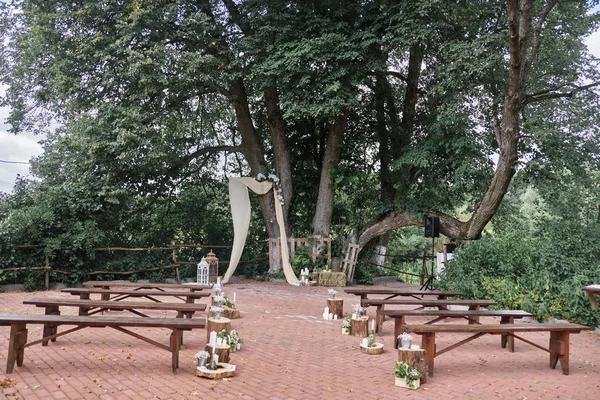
[(372, 113)]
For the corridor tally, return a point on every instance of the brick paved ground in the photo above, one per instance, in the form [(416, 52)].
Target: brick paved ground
[(289, 353)]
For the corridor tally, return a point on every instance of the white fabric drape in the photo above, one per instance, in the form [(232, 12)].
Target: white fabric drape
[(240, 213)]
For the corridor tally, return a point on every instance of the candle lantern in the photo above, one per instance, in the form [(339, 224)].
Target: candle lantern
[(213, 266), (202, 273)]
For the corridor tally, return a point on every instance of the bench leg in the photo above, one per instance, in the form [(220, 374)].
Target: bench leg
[(16, 346), (379, 319), (473, 320), (398, 322), (559, 350), (50, 329), (508, 339), (175, 344), (428, 344)]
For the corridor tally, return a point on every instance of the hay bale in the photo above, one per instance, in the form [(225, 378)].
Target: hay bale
[(332, 279)]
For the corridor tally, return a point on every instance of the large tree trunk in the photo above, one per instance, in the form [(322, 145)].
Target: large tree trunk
[(522, 52), (281, 151), (253, 152), (324, 209)]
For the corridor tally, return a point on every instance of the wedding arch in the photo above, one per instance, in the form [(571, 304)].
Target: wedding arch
[(240, 213)]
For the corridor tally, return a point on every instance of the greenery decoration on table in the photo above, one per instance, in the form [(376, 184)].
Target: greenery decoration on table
[(408, 372)]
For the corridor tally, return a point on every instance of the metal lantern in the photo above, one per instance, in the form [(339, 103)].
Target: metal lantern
[(202, 274), (213, 269)]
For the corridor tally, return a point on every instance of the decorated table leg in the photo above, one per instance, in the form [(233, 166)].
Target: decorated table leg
[(336, 307)]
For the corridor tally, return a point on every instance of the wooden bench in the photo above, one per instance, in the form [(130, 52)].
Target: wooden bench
[(121, 294), (395, 292), (18, 331), (90, 307), (139, 285), (506, 317), (558, 346), (440, 304)]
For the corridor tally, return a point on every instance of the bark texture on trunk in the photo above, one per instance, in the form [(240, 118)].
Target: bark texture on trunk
[(281, 151), (324, 209), (253, 151)]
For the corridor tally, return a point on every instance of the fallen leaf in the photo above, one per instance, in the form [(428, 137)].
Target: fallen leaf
[(8, 382)]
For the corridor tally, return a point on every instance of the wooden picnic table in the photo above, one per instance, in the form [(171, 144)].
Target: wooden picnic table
[(506, 317), (440, 304), (121, 294), (592, 290), (140, 285)]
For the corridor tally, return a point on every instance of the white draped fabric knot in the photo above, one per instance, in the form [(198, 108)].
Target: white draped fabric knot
[(240, 213)]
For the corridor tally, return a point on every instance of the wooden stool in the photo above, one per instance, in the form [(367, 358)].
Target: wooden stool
[(336, 307), (418, 357), (221, 351), (360, 326), (216, 325)]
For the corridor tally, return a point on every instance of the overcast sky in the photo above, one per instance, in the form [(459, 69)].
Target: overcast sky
[(21, 148)]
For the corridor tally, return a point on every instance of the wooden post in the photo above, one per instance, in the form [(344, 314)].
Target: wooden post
[(47, 274), (418, 357), (360, 327), (221, 351), (336, 307), (216, 325), (176, 265)]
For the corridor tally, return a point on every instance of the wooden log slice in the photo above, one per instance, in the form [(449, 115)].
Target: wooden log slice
[(216, 325), (231, 313), (223, 370), (221, 351), (418, 357), (336, 307), (360, 327), (377, 349)]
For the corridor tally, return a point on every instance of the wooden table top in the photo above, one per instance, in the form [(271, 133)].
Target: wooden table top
[(401, 292), (147, 305), (191, 286), (429, 302)]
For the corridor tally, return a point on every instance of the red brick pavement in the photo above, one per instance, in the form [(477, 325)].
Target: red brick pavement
[(289, 353)]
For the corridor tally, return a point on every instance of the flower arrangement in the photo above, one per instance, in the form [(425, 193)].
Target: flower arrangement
[(216, 311), (408, 372), (347, 325), (218, 299), (276, 181), (405, 336), (228, 303), (202, 354), (332, 293), (234, 340), (358, 310)]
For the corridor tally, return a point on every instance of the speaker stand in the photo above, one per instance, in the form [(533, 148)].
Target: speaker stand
[(428, 285)]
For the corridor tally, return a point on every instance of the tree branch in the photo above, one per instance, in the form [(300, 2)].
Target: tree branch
[(537, 35), (541, 96), (206, 150), (404, 79)]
